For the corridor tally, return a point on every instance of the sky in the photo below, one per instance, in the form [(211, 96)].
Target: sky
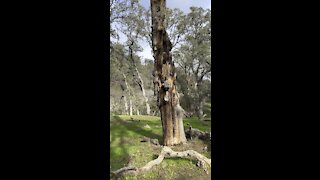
[(183, 5)]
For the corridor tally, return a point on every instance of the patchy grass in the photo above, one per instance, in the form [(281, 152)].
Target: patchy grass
[(125, 136)]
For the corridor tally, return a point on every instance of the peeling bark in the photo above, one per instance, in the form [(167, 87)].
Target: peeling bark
[(165, 78), (179, 114)]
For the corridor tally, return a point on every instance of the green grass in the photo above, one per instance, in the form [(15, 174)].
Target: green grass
[(125, 137), (196, 123)]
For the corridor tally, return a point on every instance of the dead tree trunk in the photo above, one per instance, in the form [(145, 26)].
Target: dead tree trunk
[(200, 100), (131, 109), (139, 79), (126, 89), (126, 105), (165, 77), (199, 108), (179, 112), (141, 85)]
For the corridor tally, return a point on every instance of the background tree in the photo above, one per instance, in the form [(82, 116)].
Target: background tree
[(121, 92), (132, 26), (118, 11), (190, 36), (193, 58)]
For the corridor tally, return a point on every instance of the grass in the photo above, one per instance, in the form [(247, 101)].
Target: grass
[(125, 142)]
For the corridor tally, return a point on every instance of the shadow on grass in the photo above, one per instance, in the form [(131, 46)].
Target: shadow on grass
[(119, 154), (136, 128), (121, 131)]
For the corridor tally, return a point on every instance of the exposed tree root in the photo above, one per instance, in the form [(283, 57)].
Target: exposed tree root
[(203, 161)]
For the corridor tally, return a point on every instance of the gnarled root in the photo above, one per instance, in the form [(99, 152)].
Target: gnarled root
[(203, 161)]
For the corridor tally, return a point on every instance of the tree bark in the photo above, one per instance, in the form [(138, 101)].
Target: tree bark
[(127, 91), (126, 105), (200, 100), (179, 115), (130, 107), (141, 84), (200, 108), (165, 78)]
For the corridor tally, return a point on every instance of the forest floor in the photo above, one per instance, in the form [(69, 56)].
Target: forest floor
[(125, 146)]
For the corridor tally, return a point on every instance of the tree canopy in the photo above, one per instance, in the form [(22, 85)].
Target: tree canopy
[(130, 33)]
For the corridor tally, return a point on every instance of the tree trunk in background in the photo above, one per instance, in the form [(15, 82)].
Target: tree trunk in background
[(126, 105), (200, 109), (141, 85), (165, 78), (126, 92), (130, 107), (179, 112), (199, 102), (139, 79)]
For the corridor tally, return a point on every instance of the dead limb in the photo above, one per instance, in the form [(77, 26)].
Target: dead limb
[(193, 133), (152, 141), (123, 170), (167, 152)]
